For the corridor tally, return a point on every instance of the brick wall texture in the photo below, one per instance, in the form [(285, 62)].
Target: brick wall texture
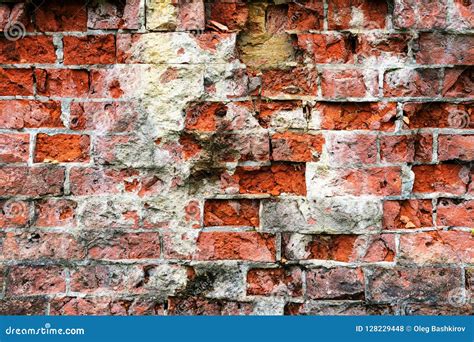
[(236, 157)]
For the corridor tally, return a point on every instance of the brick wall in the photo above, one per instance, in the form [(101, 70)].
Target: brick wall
[(229, 157)]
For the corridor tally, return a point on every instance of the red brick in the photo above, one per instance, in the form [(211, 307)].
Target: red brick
[(104, 116), (30, 49), (343, 248), (305, 15), (40, 245), (275, 282), (412, 14), (356, 14), (126, 246), (15, 82), (461, 15), (231, 213), (356, 116), (407, 214), (56, 16), (438, 310), (203, 306), (459, 82), (437, 247), (440, 48), (62, 148), (110, 15), (62, 82), (351, 148), (460, 147), (452, 212), (270, 112), (99, 49), (14, 148), (236, 246), (275, 179), (14, 13), (55, 213), (326, 48), (411, 82), (445, 178), (233, 14), (377, 181), (23, 306), (93, 181), (406, 148), (315, 308), (31, 181), (191, 15), (18, 114), (349, 83), (108, 278), (437, 114), (295, 81), (410, 284), (202, 116), (296, 147), (388, 48), (14, 213), (33, 280), (335, 283)]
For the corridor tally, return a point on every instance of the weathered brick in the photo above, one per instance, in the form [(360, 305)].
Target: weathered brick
[(232, 14), (406, 148), (456, 147), (292, 82), (203, 306), (275, 282), (440, 48), (55, 212), (110, 15), (333, 309), (28, 181), (326, 48), (344, 248), (15, 148), (411, 82), (386, 48), (23, 306), (335, 283), (56, 16), (236, 246), (378, 181), (98, 49), (126, 246), (296, 147), (35, 280), (437, 114), (15, 82), (458, 82), (305, 15), (349, 83), (87, 181), (19, 114), (409, 284), (31, 49), (351, 148), (452, 212), (62, 82), (354, 116), (436, 247), (104, 116), (461, 15), (39, 245), (407, 214), (14, 213), (411, 14), (276, 179), (444, 178), (357, 14), (62, 148), (231, 213)]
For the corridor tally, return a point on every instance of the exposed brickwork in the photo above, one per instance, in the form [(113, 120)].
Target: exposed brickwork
[(307, 157)]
